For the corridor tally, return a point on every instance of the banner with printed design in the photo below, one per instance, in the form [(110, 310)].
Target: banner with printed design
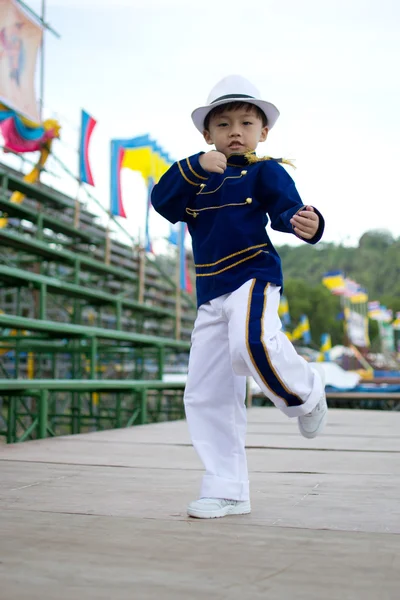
[(20, 40), (357, 328)]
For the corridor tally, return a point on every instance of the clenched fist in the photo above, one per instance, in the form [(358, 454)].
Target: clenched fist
[(305, 223), (213, 161)]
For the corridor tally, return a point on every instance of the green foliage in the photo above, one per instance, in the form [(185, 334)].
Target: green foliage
[(321, 307), (374, 264)]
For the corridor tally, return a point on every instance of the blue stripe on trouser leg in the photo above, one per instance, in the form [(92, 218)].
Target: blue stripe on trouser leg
[(257, 346)]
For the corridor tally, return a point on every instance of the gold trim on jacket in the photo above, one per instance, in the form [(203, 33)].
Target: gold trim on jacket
[(225, 258)]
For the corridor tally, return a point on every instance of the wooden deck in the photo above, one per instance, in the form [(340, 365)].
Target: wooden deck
[(102, 516)]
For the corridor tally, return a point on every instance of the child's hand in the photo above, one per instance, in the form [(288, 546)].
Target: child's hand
[(305, 223), (213, 161)]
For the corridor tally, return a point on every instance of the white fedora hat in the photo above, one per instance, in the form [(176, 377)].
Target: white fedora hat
[(234, 88)]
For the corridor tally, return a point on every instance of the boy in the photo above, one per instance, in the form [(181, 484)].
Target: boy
[(224, 196)]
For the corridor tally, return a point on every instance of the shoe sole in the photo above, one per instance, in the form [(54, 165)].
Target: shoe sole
[(223, 512)]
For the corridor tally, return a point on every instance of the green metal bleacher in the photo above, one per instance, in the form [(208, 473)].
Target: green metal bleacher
[(42, 414), (47, 254)]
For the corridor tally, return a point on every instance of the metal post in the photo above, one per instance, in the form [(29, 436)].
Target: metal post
[(17, 359), (77, 268), (75, 413), (161, 362), (18, 311), (43, 413), (93, 358), (12, 420), (39, 225), (42, 301), (118, 414), (43, 14), (76, 314), (160, 393), (94, 396), (54, 365), (119, 314), (143, 406)]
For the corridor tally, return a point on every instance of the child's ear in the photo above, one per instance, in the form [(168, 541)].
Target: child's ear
[(207, 137), (264, 134)]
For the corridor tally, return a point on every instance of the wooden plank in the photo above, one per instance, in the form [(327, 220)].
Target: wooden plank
[(102, 515)]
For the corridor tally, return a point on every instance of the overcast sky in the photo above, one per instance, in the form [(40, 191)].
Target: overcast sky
[(331, 67)]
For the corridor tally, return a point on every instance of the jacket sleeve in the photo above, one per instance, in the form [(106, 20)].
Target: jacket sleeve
[(281, 200), (177, 187)]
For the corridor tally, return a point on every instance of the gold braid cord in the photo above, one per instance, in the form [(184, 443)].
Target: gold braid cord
[(252, 158)]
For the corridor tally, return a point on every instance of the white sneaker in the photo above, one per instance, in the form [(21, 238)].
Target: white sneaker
[(211, 508), (313, 423)]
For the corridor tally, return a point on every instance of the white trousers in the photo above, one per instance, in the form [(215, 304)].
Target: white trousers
[(234, 336)]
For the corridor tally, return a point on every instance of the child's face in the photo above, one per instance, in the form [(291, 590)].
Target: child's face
[(236, 131)]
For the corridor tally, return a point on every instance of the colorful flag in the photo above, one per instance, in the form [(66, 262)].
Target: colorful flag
[(305, 326), (359, 297), (139, 154), (334, 281), (326, 346), (87, 126), (373, 305), (396, 322), (302, 330), (173, 234), (351, 288), (20, 135), (283, 310), (177, 233), (184, 275), (182, 256), (377, 312), (189, 287)]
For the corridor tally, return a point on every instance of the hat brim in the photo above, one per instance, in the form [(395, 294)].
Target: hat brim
[(270, 111)]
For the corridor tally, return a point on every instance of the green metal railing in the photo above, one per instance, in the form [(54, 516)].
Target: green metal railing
[(45, 284), (36, 409), (82, 331), (46, 197)]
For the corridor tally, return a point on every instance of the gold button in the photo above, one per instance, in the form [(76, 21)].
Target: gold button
[(202, 185), (243, 173), (195, 214), (249, 200)]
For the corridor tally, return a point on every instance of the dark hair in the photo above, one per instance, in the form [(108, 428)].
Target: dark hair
[(218, 110)]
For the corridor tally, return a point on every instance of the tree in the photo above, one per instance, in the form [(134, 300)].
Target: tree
[(322, 308), (374, 263)]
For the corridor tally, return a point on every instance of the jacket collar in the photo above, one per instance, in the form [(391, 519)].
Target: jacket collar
[(238, 160)]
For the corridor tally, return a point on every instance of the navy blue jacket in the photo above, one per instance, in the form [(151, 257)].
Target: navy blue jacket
[(227, 216)]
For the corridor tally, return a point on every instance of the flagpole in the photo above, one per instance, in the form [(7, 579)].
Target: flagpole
[(41, 19), (42, 63), (77, 211), (107, 252)]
